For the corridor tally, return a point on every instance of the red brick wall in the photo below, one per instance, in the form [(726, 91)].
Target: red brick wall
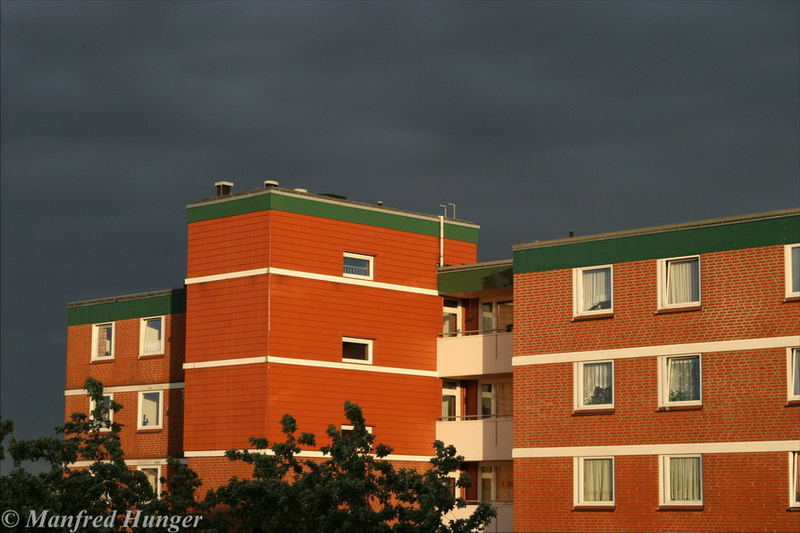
[(742, 492), (742, 296)]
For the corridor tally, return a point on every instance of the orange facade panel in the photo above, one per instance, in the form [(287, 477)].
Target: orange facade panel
[(228, 319), (309, 319), (127, 366), (225, 406), (228, 244), (460, 252), (400, 408)]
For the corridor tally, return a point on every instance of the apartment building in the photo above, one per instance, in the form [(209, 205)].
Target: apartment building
[(643, 380), (656, 378)]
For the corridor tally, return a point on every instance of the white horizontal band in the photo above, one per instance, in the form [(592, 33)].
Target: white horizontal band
[(128, 388), (651, 351), (226, 362), (351, 366), (311, 275), (303, 453), (660, 449), (129, 462)]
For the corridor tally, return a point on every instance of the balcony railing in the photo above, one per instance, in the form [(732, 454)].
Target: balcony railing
[(478, 438), (474, 353), (503, 522)]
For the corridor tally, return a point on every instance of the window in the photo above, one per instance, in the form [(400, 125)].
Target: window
[(794, 479), (356, 350), (451, 485), (496, 482), (594, 385), (681, 480), (357, 266), (451, 319), (793, 373), (151, 336), (495, 399), (109, 414), (153, 475), (680, 380), (451, 406), (348, 428), (497, 316), (792, 269), (592, 288), (150, 404), (679, 282), (594, 481), (103, 341)]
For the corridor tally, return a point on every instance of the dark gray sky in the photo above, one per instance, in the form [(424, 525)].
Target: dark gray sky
[(535, 118)]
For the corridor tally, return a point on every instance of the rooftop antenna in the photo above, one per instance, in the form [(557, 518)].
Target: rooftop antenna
[(454, 208), (444, 206)]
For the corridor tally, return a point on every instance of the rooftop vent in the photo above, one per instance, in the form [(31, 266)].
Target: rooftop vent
[(300, 190), (268, 184), (224, 188)]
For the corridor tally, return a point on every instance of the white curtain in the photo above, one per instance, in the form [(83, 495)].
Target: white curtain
[(596, 289), (796, 355), (152, 336), (682, 281), (596, 376), (684, 379), (684, 479), (598, 480), (796, 269), (150, 409)]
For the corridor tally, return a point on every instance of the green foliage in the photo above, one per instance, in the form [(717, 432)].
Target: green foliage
[(351, 489), (106, 484)]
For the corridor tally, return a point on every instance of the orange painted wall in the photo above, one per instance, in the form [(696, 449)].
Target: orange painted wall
[(228, 244)]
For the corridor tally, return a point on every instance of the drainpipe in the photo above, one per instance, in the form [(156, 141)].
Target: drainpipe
[(441, 240)]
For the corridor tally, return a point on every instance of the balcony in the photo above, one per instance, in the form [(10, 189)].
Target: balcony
[(479, 439), (503, 522), (474, 355)]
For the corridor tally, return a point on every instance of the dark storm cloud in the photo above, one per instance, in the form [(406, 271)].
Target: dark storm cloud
[(536, 118)]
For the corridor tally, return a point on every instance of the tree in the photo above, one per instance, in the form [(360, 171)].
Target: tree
[(352, 489), (105, 485)]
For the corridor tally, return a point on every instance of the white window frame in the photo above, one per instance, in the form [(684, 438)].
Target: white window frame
[(495, 322), (577, 291), (143, 328), (663, 480), (450, 392), (141, 468), (663, 384), (662, 272), (578, 386), (96, 339), (140, 398), (110, 412), (794, 465), (452, 310), (350, 427), (491, 475), (787, 268), (578, 475), (367, 342), (791, 373), (369, 258)]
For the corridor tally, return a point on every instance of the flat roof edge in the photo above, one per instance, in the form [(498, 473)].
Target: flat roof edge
[(659, 229), (476, 266), (125, 297)]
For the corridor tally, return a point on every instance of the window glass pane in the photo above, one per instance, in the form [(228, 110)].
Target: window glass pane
[(683, 284), (796, 367), (448, 407), (451, 485), (596, 289), (450, 324), (505, 316), (152, 478), (355, 350), (683, 378), (487, 393), (152, 335), (487, 316), (356, 266), (684, 479), (505, 483), (151, 409), (504, 399), (598, 480), (597, 384), (104, 340), (796, 457), (796, 269), (486, 483)]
